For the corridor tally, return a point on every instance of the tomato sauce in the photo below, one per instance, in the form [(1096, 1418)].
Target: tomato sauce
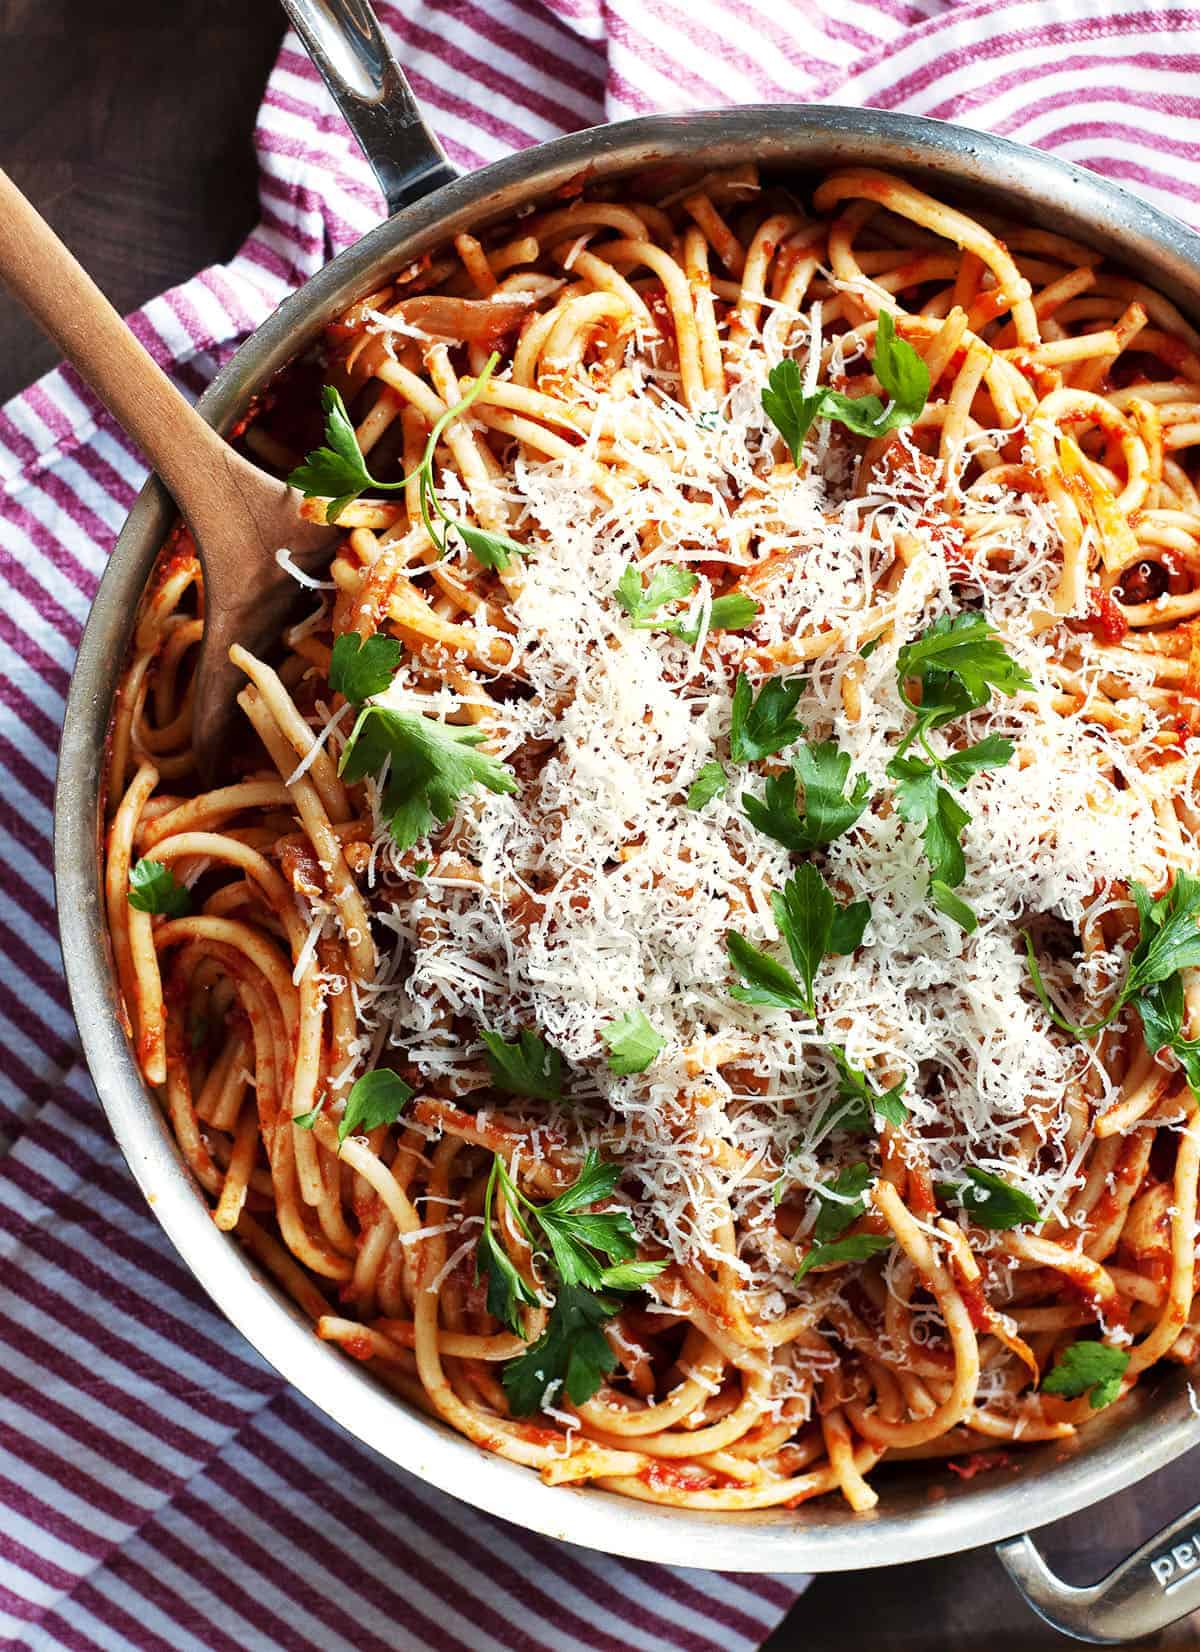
[(1104, 618)]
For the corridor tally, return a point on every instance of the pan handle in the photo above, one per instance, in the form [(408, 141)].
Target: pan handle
[(344, 40), (1155, 1586)]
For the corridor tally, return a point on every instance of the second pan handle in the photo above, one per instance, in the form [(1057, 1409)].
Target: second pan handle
[(1154, 1587), (348, 47)]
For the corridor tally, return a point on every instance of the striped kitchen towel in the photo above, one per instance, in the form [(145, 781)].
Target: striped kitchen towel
[(160, 1488)]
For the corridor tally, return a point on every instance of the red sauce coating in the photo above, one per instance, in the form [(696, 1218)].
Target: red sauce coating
[(1104, 618)]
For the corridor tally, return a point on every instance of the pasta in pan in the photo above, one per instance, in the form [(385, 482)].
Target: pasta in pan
[(692, 973)]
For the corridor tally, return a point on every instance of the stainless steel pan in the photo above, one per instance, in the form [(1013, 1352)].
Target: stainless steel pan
[(919, 1514)]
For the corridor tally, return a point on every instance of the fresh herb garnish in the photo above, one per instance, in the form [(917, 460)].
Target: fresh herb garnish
[(841, 1202), (672, 583), (814, 925), (859, 1102), (430, 766), (946, 901), (572, 1351), (1161, 1008), (823, 770), (732, 612), (1091, 1368), (958, 662), (361, 667), (766, 982), (632, 1042), (1169, 941), (590, 1256), (338, 472), (709, 783), (922, 802), (508, 1291), (527, 1067), (856, 1247), (763, 724), (902, 375), (376, 1098), (152, 888), (989, 1200)]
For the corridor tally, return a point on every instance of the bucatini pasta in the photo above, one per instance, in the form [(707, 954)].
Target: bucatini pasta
[(691, 970)]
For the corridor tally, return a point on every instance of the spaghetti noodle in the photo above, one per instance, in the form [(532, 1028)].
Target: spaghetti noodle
[(651, 790)]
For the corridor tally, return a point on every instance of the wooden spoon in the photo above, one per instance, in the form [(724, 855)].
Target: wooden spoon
[(238, 516)]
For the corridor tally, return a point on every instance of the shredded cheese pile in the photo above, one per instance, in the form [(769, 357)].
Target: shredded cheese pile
[(595, 889)]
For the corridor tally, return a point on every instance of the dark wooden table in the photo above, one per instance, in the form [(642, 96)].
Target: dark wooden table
[(128, 123)]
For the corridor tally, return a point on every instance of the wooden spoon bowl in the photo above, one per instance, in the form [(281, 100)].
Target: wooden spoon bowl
[(240, 518)]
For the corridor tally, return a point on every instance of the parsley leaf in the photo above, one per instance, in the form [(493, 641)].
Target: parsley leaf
[(989, 1200), (767, 982), (1169, 942), (709, 783), (670, 582), (376, 1098), (922, 802), (305, 1121), (591, 1254), (788, 408), (824, 771), (152, 888), (856, 1248), (490, 549), (959, 767), (1170, 938), (859, 1102), (828, 812), (732, 612), (572, 1350), (901, 372), (1161, 1009), (527, 1067), (946, 901), (575, 1234), (338, 471), (1088, 1366), (958, 661), (813, 925), (633, 1043), (430, 766), (508, 1292), (361, 667), (764, 724), (841, 1202)]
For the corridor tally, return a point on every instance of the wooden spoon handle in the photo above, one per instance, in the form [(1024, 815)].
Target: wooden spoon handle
[(66, 302)]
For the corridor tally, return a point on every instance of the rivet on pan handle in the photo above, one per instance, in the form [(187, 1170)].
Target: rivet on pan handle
[(1153, 1588), (346, 44)]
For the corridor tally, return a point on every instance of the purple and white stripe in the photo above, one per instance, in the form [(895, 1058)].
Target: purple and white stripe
[(159, 1487)]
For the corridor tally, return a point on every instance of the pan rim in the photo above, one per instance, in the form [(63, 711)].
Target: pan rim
[(1149, 1429)]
